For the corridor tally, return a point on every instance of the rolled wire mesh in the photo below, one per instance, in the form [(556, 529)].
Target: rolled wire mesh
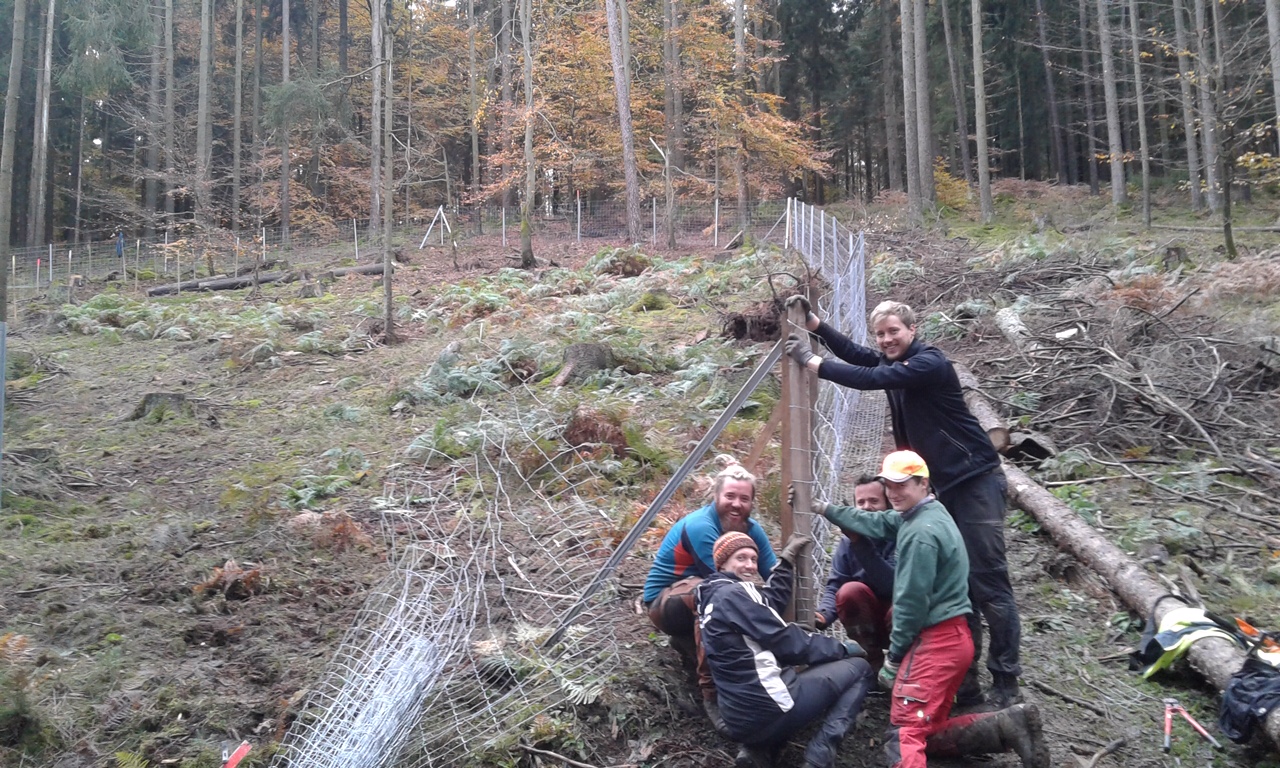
[(445, 662)]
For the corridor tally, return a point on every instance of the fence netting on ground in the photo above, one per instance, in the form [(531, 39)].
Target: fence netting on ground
[(446, 664)]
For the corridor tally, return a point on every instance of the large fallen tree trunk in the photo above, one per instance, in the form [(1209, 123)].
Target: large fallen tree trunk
[(363, 269), (987, 417), (1215, 658)]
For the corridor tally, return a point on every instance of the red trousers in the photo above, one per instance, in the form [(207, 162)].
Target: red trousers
[(926, 684), (866, 619)]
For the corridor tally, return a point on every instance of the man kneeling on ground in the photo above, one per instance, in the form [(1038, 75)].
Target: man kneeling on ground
[(751, 652), (860, 588), (930, 646), (686, 557)]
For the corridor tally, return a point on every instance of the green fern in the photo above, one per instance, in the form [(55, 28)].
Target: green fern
[(131, 760)]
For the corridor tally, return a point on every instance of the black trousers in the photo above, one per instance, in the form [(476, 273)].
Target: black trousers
[(978, 507), (815, 691)]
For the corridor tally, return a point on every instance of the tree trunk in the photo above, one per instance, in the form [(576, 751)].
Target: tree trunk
[(237, 122), (375, 118), (1273, 45), (924, 110), (740, 84), (980, 114), (527, 260), (204, 122), (1208, 110), (77, 168), (170, 125), (1055, 124), (1144, 148), (911, 125), (892, 115), (1115, 144), (151, 187), (473, 111), (506, 94), (1226, 150), (8, 141), (40, 135), (1091, 123), (255, 127), (344, 43), (286, 162), (388, 174), (673, 98), (622, 92), (957, 95), (1188, 105)]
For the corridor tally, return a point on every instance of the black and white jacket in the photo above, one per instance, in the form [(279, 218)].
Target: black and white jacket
[(750, 649)]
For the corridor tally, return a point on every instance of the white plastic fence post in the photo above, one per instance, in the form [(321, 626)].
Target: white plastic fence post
[(177, 255), (442, 226), (137, 260), (655, 221), (264, 245), (504, 226), (50, 264), (822, 234), (579, 225), (355, 238), (166, 251), (786, 228), (715, 231)]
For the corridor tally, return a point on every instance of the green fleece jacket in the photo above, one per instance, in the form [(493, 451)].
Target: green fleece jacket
[(931, 578)]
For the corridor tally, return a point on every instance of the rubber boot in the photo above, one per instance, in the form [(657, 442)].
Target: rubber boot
[(970, 694), (712, 708), (753, 757), (822, 748), (1016, 729)]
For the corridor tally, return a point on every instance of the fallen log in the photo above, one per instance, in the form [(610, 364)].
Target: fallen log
[(1214, 658), (363, 269), (981, 409)]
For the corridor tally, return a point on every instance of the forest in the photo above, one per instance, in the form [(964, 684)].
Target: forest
[(146, 117)]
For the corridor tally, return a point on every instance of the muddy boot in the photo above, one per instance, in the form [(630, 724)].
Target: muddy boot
[(1004, 691), (712, 708), (1016, 729), (822, 748), (753, 757), (970, 695)]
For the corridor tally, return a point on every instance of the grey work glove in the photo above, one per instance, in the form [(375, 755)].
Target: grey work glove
[(795, 548), (888, 674), (798, 349), (851, 648), (803, 303), (816, 505)]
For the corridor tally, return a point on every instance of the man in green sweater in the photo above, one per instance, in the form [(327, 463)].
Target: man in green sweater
[(930, 645)]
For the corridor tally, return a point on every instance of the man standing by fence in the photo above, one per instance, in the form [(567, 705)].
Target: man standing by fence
[(931, 418)]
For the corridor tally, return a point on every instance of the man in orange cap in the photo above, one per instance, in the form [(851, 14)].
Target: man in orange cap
[(930, 646)]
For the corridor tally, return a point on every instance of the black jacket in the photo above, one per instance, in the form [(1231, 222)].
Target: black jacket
[(926, 403), (751, 650)]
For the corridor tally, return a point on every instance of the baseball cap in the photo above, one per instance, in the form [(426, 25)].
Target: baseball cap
[(900, 465)]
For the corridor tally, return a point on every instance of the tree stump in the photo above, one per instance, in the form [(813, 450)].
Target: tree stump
[(582, 360), (155, 406)]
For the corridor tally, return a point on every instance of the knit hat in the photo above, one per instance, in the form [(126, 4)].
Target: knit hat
[(729, 543), (900, 465)]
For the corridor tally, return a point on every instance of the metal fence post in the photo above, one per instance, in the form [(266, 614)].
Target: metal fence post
[(655, 221)]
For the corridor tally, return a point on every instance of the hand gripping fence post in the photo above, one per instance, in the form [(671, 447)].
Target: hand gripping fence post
[(666, 493)]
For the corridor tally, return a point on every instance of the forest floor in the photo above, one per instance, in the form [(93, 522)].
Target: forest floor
[(163, 592)]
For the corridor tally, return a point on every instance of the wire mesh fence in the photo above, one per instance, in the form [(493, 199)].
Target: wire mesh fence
[(52, 272), (447, 662)]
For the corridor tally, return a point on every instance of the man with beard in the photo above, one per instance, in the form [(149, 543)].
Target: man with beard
[(686, 557)]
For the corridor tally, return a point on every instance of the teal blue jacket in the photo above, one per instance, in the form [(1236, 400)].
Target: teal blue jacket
[(931, 577)]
